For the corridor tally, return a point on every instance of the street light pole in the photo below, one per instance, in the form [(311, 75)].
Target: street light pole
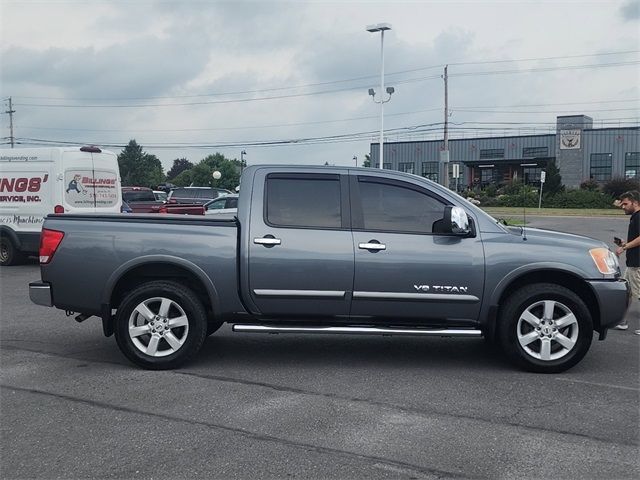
[(381, 27)]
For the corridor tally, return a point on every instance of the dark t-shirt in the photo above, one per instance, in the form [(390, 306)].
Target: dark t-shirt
[(633, 254)]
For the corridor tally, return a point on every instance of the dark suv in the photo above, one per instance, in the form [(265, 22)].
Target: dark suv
[(199, 195)]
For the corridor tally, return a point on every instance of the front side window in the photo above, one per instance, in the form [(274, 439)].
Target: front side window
[(391, 207), (299, 201), (216, 205), (601, 166), (632, 165)]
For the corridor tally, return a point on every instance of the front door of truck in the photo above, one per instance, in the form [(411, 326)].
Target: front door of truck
[(300, 245), (403, 266)]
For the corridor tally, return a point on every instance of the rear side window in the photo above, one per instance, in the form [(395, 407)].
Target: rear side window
[(390, 207), (304, 202), (139, 196), (232, 203)]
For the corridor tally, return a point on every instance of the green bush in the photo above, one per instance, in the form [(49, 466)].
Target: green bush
[(617, 186), (590, 185), (527, 198), (579, 198)]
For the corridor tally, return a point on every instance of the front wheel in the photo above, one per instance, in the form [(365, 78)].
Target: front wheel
[(160, 325), (545, 328)]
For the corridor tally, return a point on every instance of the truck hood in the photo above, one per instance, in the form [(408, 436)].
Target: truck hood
[(551, 237)]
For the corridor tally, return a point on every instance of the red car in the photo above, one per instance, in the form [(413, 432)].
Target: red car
[(143, 200)]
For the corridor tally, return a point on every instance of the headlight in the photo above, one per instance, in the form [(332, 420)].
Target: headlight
[(605, 260)]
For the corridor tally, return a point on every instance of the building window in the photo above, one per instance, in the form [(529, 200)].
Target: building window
[(532, 152), (632, 165), (491, 153), (531, 174), (430, 170), (486, 176), (601, 166), (385, 165), (407, 167)]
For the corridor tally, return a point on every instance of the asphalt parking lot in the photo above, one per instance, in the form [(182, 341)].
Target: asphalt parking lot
[(276, 406)]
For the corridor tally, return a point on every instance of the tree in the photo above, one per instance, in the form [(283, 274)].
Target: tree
[(367, 160), (179, 166), (138, 168), (201, 174), (553, 181)]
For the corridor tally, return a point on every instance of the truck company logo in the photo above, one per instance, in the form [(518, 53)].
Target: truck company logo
[(440, 289), (21, 185)]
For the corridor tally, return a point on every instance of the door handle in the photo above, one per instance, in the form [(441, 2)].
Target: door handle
[(267, 241), (372, 246)]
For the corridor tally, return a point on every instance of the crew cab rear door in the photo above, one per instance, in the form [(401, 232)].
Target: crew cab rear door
[(300, 244), (403, 266)]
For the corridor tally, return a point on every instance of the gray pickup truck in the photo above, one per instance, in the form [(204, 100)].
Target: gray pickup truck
[(332, 250)]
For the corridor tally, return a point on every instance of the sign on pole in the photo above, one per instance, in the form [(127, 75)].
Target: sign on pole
[(543, 177)]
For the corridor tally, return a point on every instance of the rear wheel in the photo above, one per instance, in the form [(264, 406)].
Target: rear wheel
[(9, 254), (160, 325), (545, 328)]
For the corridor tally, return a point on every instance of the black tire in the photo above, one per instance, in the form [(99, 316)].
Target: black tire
[(161, 346), (553, 346), (9, 253)]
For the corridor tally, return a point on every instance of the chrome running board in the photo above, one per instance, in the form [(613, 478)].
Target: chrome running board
[(433, 332)]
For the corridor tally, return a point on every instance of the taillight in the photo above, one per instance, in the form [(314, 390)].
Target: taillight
[(58, 209), (163, 209), (49, 243)]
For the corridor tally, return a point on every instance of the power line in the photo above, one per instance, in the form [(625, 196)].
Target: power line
[(333, 82), (324, 92)]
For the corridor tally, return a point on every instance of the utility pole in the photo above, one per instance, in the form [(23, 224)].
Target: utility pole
[(11, 111), (444, 155)]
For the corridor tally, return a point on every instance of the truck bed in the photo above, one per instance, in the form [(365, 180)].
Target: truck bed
[(99, 248)]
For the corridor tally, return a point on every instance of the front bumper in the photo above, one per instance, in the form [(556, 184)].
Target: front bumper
[(613, 300), (40, 293)]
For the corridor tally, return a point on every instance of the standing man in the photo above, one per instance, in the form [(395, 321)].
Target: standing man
[(630, 203)]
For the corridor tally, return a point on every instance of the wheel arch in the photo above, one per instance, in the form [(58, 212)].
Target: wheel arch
[(569, 278), (11, 235), (157, 267)]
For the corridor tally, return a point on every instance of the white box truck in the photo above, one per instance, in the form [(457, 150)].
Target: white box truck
[(35, 182)]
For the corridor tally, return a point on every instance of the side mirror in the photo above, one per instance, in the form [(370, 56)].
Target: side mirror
[(456, 221)]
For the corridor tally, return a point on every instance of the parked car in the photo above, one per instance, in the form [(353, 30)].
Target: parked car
[(332, 250), (223, 204), (199, 195), (143, 200), (166, 187), (125, 208), (160, 195)]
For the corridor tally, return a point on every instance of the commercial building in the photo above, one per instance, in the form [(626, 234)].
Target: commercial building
[(580, 151)]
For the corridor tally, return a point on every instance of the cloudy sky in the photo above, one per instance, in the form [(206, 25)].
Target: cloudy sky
[(287, 81)]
